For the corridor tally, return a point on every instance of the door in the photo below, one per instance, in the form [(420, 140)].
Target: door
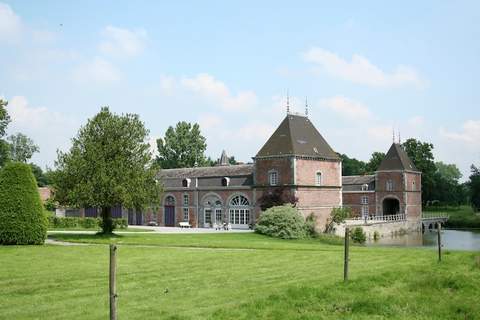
[(139, 218), (208, 218), (169, 216), (131, 219)]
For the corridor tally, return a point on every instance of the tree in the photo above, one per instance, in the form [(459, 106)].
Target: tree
[(374, 162), (475, 188), (352, 166), (4, 121), (108, 164), (22, 220), (421, 155), (449, 172), (41, 177), (22, 147), (278, 196), (183, 146)]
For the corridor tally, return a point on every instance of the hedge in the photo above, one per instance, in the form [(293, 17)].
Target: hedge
[(87, 223), (22, 220)]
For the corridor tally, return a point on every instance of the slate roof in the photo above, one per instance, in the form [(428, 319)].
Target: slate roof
[(296, 135), (198, 172), (360, 180), (396, 159)]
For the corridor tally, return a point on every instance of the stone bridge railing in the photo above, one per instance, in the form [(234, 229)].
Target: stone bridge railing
[(378, 219)]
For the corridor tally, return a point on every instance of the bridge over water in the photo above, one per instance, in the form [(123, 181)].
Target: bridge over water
[(430, 220)]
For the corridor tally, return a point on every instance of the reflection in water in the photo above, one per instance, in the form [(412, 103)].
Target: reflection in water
[(451, 239)]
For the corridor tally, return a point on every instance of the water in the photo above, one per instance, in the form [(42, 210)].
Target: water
[(451, 239)]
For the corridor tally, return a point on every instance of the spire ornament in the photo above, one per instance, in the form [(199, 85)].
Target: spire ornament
[(306, 107)]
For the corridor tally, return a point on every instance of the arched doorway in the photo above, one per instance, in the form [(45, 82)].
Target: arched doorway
[(239, 209), (391, 206), (169, 211), (212, 211)]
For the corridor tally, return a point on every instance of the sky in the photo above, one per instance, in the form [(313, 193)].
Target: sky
[(367, 68)]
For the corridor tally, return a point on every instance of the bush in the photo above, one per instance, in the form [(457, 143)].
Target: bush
[(282, 222), (76, 222), (358, 236), (337, 216), (22, 219)]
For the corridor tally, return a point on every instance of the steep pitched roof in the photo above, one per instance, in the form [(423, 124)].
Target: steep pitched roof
[(396, 159), (357, 180), (296, 135)]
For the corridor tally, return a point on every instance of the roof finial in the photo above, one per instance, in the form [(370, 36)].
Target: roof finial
[(306, 107), (288, 103), (393, 138), (399, 137)]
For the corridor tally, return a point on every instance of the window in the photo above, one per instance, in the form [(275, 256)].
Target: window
[(365, 200), (208, 215), (414, 187), (364, 211), (185, 200), (389, 185), (185, 214), (273, 178), (186, 183), (318, 179), (365, 187), (225, 182), (239, 210), (169, 201), (218, 216)]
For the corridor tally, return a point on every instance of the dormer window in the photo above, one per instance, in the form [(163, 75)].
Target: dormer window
[(225, 182), (318, 178), (186, 183), (273, 178), (365, 187)]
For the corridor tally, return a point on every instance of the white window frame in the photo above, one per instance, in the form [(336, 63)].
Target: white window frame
[(273, 177), (186, 214), (318, 178), (186, 200), (389, 185), (218, 211), (365, 211), (364, 200), (365, 187)]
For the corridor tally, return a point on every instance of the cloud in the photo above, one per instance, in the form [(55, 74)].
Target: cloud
[(380, 133), (98, 71), (360, 70), (209, 121), (346, 107), (217, 92), (49, 130), (470, 133), (10, 24), (122, 42)]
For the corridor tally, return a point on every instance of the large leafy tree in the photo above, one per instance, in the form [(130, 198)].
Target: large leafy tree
[(422, 156), (22, 147), (372, 165), (448, 172), (475, 188), (108, 164), (352, 166), (4, 121), (183, 146)]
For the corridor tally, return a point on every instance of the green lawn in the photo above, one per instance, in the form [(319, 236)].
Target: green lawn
[(235, 276), (98, 229)]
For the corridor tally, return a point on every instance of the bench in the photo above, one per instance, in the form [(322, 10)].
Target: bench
[(184, 224)]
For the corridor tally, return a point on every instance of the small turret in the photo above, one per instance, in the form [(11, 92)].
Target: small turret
[(223, 161)]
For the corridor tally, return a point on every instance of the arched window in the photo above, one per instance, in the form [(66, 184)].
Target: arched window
[(273, 177), (318, 178), (225, 181), (239, 211), (186, 183), (169, 201), (212, 210)]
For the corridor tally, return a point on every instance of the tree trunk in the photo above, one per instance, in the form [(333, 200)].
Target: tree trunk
[(107, 221)]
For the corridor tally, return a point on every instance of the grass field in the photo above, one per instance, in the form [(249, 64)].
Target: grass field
[(235, 276), (98, 229)]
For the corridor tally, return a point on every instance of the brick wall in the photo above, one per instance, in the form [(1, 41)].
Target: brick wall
[(307, 170), (283, 166), (353, 200)]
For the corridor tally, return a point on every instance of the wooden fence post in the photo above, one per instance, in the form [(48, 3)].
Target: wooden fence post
[(113, 282), (346, 254), (439, 241)]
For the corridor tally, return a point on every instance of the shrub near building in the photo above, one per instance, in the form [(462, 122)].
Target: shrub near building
[(22, 220), (282, 222)]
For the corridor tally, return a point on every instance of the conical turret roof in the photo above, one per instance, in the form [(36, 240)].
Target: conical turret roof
[(397, 159)]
